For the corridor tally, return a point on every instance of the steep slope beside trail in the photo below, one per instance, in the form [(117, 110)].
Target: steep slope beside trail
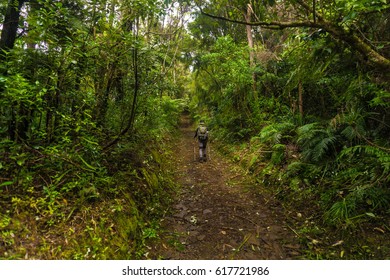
[(218, 215)]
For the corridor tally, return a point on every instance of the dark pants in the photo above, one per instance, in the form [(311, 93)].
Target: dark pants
[(202, 150)]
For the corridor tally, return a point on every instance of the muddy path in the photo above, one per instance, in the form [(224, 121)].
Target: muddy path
[(218, 214)]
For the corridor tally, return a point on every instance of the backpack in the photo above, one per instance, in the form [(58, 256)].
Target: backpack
[(202, 133)]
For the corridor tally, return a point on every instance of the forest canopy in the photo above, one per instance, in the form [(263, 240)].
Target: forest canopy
[(91, 91)]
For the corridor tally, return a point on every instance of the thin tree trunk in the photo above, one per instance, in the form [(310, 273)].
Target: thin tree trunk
[(251, 46), (300, 98)]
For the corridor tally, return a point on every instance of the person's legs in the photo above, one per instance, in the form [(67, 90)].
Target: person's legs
[(200, 151)]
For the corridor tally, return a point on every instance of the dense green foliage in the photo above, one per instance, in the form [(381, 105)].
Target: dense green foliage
[(89, 90), (310, 118), (86, 96)]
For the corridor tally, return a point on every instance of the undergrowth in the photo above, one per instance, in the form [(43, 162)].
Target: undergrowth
[(79, 212), (334, 190), (78, 201)]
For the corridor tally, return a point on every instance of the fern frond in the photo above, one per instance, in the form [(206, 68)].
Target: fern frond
[(278, 153), (307, 132), (350, 133), (274, 133), (315, 141), (322, 147), (353, 122), (301, 169)]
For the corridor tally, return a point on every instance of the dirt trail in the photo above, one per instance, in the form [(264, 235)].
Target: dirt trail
[(217, 214)]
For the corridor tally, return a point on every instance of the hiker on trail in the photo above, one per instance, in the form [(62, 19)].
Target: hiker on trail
[(203, 136)]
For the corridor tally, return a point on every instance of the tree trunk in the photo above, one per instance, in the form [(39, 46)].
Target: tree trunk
[(10, 27), (251, 45), (7, 42), (102, 98), (300, 98)]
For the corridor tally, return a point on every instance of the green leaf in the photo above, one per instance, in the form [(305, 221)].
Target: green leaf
[(6, 183), (88, 165), (372, 215)]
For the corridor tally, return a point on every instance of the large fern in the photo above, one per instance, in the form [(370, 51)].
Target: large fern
[(351, 124), (316, 141), (276, 132)]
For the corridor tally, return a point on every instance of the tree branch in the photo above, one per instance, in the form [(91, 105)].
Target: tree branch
[(371, 56), (278, 25)]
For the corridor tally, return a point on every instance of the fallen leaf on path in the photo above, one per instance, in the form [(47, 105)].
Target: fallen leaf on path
[(379, 229), (315, 242), (193, 219), (338, 243)]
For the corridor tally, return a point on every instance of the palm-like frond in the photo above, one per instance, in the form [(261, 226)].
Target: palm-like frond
[(274, 133), (316, 141)]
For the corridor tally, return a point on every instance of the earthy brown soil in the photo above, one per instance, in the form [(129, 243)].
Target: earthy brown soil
[(219, 212)]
